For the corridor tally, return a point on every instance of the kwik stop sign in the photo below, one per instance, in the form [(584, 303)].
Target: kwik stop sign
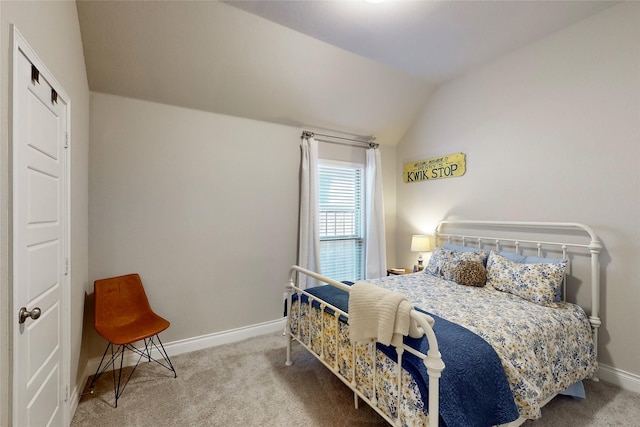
[(435, 168)]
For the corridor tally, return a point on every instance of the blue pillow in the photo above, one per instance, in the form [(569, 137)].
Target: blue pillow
[(537, 260), (460, 248), (508, 255), (513, 257)]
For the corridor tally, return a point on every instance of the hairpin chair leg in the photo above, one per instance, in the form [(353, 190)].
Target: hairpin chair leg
[(116, 389), (164, 355), (104, 367), (118, 385)]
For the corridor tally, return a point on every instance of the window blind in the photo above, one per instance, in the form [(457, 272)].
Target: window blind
[(341, 221)]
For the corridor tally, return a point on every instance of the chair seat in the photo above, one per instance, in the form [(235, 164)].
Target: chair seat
[(131, 330)]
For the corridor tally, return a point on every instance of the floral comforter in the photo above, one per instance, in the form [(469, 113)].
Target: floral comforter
[(543, 350)]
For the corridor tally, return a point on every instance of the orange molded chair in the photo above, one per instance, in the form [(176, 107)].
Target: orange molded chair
[(123, 316)]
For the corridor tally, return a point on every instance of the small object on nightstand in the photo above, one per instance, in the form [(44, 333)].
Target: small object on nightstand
[(397, 271), (418, 267)]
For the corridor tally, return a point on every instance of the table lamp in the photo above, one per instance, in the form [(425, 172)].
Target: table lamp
[(421, 243)]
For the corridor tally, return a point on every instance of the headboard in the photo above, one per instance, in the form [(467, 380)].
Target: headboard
[(568, 240)]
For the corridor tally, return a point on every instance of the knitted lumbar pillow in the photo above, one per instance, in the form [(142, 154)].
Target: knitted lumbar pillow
[(470, 273)]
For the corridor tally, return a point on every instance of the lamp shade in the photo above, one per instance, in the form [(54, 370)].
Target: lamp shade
[(422, 243)]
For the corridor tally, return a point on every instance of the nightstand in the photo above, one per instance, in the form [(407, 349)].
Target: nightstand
[(398, 271)]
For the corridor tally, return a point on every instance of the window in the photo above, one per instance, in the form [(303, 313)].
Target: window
[(341, 220)]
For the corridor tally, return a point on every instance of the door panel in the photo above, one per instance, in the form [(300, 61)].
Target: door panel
[(42, 409), (41, 260), (47, 125), (43, 198), (41, 343), (40, 246)]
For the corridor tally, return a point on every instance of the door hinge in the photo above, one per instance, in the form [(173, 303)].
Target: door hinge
[(66, 140), (67, 266), (66, 393)]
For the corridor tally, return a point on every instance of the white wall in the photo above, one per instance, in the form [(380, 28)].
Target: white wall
[(203, 206), (551, 133), (52, 30)]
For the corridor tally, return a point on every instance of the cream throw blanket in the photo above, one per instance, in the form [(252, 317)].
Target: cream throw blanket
[(378, 313)]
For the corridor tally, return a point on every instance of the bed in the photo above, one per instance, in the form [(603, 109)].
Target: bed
[(477, 351)]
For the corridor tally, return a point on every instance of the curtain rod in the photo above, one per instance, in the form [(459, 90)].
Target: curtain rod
[(370, 143)]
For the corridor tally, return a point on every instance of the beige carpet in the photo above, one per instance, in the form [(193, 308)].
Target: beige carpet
[(247, 384)]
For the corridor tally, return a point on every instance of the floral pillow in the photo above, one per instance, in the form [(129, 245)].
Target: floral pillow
[(534, 282), (444, 261)]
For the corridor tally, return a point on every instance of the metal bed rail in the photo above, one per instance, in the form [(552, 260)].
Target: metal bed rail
[(421, 324)]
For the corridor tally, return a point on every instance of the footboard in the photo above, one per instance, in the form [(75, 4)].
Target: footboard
[(298, 327)]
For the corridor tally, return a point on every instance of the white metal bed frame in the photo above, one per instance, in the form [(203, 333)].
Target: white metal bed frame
[(421, 324)]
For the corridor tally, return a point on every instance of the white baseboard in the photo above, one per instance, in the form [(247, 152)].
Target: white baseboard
[(198, 343), (622, 379)]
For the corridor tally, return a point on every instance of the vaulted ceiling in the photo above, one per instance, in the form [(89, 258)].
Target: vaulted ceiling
[(349, 66)]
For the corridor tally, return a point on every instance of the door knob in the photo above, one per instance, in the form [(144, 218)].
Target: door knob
[(23, 314)]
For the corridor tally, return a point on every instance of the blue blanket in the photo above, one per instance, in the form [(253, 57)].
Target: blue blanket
[(474, 390)]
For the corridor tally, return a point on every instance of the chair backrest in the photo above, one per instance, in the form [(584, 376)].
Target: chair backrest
[(119, 301)]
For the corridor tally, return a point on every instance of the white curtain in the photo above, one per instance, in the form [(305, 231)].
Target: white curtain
[(375, 250), (309, 236)]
